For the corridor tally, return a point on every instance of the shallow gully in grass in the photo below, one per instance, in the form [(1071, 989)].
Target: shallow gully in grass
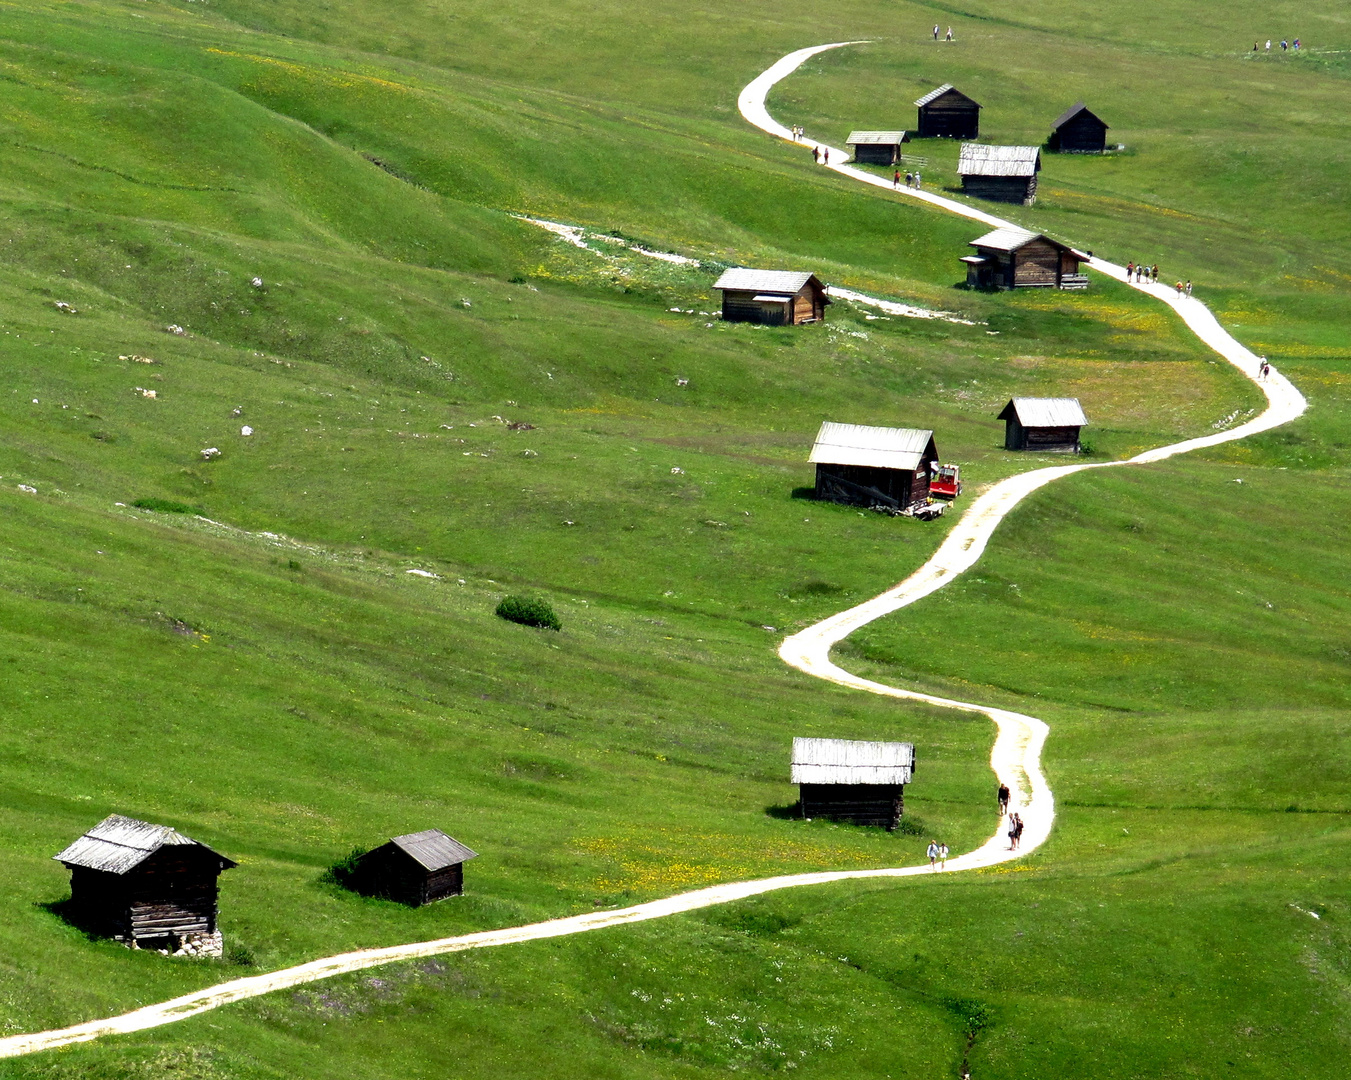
[(1015, 758)]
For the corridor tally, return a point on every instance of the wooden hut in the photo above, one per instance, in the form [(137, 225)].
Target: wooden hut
[(947, 113), (1078, 131), (860, 782), (415, 869), (1001, 173), (1050, 425), (1012, 258), (872, 466), (877, 147), (772, 297), (146, 885)]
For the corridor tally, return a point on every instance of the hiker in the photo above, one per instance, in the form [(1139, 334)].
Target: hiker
[(949, 37), (1013, 832), (1296, 44), (1130, 271), (919, 181), (935, 31), (1154, 273), (942, 856), (933, 855), (1003, 795), (825, 156), (1268, 47), (909, 180), (896, 180), (1179, 288), (1188, 288), (1265, 369), (1284, 45), (1018, 834), (816, 154), (1254, 46)]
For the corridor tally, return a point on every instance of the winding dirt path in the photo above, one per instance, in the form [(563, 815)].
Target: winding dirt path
[(1016, 757)]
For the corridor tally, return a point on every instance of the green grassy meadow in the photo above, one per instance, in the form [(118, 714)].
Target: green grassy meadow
[(324, 201)]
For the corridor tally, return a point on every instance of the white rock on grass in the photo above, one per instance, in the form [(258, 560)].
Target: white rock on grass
[(210, 453), (424, 573), (246, 430)]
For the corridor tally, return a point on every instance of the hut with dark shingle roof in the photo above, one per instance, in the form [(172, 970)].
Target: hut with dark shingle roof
[(947, 113), (147, 885), (873, 466), (772, 297), (1078, 130), (1051, 425), (415, 869), (848, 780)]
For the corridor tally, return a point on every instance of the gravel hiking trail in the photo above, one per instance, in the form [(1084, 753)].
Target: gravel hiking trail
[(1015, 757)]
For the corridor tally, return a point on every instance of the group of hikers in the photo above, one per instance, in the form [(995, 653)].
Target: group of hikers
[(1284, 44), (821, 155), (949, 37), (938, 856), (1142, 273), (1149, 275), (1015, 819), (912, 180)]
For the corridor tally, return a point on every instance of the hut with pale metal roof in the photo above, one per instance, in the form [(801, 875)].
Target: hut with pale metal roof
[(848, 780), (147, 885), (947, 113), (415, 869), (1050, 425), (1078, 130), (1013, 258), (873, 466), (1001, 173), (772, 297), (877, 147)]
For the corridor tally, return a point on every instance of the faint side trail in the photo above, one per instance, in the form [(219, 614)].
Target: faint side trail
[(1016, 757)]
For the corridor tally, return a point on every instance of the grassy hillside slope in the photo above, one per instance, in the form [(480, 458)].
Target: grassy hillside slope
[(267, 676)]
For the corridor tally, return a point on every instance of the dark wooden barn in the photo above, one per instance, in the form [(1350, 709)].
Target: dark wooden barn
[(873, 466), (1013, 258), (1000, 173), (1050, 425), (877, 147), (772, 297), (860, 782), (1078, 131), (145, 885), (415, 869), (947, 113)]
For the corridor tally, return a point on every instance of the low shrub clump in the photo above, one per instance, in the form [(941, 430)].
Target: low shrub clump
[(528, 611), (167, 506), (344, 871)]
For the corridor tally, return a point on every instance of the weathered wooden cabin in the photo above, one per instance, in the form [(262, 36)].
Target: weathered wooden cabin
[(146, 885), (877, 147), (860, 782), (1013, 258), (947, 113), (772, 297), (1078, 131), (1049, 425), (414, 869), (873, 466), (1000, 173)]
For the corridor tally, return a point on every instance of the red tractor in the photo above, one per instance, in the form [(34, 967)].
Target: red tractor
[(945, 482)]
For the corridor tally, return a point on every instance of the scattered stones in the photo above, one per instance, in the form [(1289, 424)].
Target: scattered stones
[(176, 330), (145, 393), (677, 471), (136, 358), (682, 382), (257, 282), (210, 453), (61, 305), (28, 488)]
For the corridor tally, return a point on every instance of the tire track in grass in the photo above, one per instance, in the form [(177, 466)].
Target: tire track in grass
[(1015, 758)]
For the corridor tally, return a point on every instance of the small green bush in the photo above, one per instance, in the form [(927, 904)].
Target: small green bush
[(528, 611), (343, 872), (167, 506)]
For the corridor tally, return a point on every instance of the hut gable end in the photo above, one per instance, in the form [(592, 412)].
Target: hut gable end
[(947, 112), (1079, 130), (118, 844)]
